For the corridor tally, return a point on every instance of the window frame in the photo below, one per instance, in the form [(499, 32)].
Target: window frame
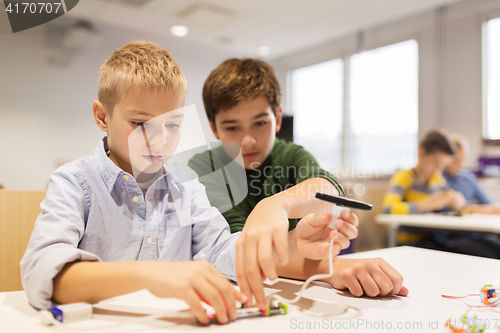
[(484, 83), (345, 55)]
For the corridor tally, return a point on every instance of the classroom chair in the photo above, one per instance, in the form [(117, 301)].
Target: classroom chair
[(18, 212)]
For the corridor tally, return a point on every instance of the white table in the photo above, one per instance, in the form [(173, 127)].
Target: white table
[(427, 273), (472, 222)]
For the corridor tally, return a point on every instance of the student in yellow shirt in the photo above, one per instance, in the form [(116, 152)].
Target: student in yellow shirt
[(423, 188)]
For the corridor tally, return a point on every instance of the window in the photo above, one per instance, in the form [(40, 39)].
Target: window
[(317, 105), (384, 108), (491, 105)]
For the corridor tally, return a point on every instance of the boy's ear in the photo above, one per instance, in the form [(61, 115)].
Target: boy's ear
[(100, 115), (214, 129), (279, 119), (421, 152)]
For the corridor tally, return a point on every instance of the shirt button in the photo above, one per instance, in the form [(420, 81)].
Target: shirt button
[(135, 199), (149, 239), (125, 177)]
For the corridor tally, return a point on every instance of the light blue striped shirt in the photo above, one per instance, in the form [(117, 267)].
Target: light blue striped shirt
[(95, 211), (466, 183)]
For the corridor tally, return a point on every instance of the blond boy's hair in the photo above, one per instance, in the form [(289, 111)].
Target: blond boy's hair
[(460, 142), (140, 66)]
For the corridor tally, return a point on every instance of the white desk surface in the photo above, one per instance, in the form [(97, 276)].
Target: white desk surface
[(427, 274), (472, 222)]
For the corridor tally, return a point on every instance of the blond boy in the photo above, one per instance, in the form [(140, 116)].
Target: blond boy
[(118, 221)]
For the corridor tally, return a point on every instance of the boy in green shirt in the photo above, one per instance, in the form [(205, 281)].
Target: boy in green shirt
[(242, 102), (122, 220)]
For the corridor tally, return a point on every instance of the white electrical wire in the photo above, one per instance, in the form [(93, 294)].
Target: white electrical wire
[(336, 212), (313, 278)]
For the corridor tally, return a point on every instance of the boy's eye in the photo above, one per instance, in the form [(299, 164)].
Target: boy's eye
[(173, 125), (231, 129), (261, 123), (138, 123)]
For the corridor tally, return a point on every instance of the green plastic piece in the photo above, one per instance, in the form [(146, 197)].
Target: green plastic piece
[(284, 307)]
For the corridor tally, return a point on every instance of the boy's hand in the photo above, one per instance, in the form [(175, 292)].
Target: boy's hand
[(485, 209), (311, 238), (264, 242), (435, 201), (457, 201), (372, 277), (347, 226), (193, 282)]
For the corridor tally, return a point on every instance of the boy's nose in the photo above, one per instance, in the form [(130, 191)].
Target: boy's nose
[(156, 136), (248, 141)]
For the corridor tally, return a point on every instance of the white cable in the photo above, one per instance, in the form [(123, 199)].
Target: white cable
[(314, 277), (336, 212)]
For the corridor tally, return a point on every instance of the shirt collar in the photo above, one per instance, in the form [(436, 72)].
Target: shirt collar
[(110, 173), (108, 170), (459, 174)]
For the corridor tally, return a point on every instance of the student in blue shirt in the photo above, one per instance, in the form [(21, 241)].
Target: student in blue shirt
[(465, 182), (121, 221)]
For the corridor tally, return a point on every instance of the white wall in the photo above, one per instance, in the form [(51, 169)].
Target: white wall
[(46, 111), (450, 51)]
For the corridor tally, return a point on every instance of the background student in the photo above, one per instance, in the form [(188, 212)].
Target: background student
[(423, 188), (465, 182)]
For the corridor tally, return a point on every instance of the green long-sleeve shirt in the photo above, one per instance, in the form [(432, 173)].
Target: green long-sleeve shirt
[(287, 165)]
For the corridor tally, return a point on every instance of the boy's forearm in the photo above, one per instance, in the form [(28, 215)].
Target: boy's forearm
[(303, 268), (299, 200), (423, 206), (428, 205), (92, 282)]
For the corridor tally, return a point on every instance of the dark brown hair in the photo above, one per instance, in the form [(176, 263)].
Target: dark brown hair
[(237, 80), (437, 141)]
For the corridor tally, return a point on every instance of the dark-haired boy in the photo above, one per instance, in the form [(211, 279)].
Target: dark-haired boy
[(423, 188), (242, 102)]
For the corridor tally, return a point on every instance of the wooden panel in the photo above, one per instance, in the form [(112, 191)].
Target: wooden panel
[(371, 234), (18, 212)]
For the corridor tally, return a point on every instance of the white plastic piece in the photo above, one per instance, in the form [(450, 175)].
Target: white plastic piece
[(61, 314), (336, 212), (46, 317), (74, 311)]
